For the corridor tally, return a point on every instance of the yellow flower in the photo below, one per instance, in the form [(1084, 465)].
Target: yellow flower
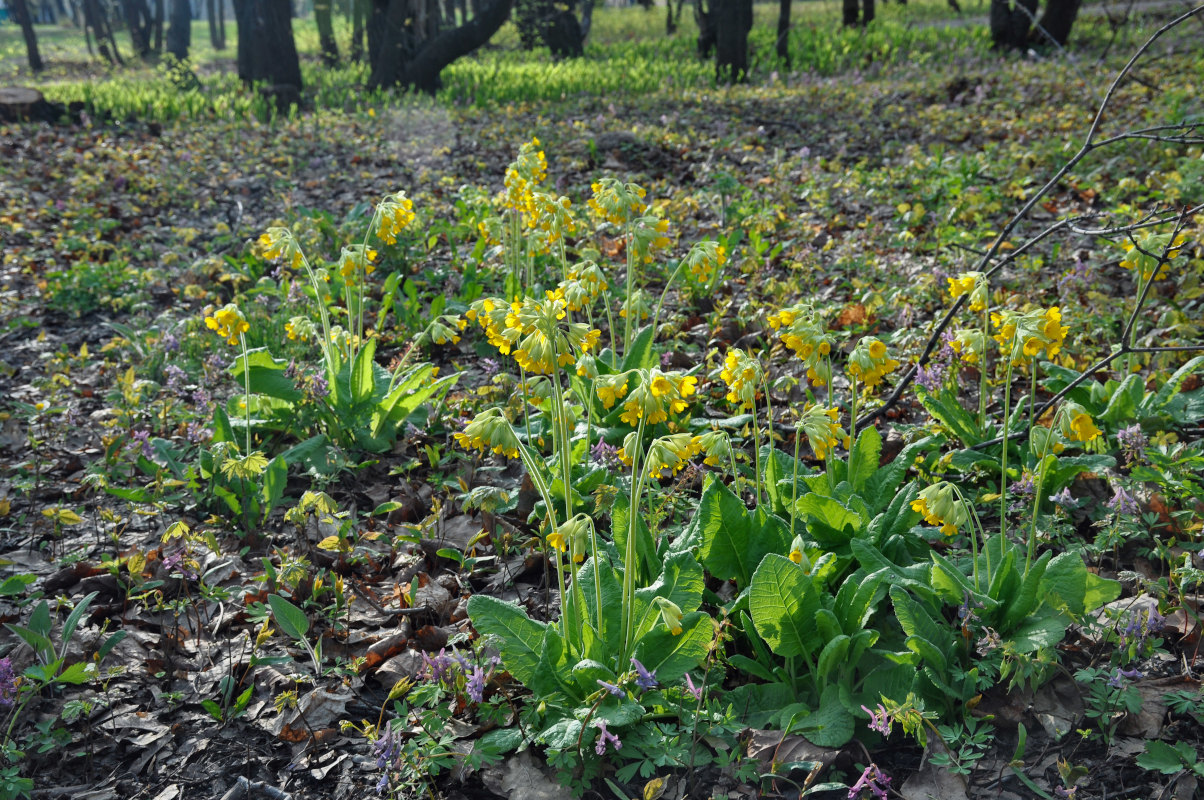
[(648, 235), (657, 395), (525, 173), (583, 285), (670, 613), (869, 362), (970, 344), (973, 283), (616, 202), (537, 330), (743, 375), (1022, 337), (571, 537), (489, 431), (1077, 424), (821, 428), (229, 323), (716, 445), (396, 214), (279, 243), (801, 329), (300, 328), (610, 388), (1151, 253), (666, 453), (356, 259), (940, 505), (704, 260)]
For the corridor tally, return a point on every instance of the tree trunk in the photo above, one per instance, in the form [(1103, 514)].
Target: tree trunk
[(217, 23), (733, 21), (323, 16), (1059, 18), (401, 56), (857, 13), (783, 31), (138, 21), (360, 11), (21, 16), (266, 50), (179, 32), (157, 28), (96, 19), (1011, 22), (704, 17), (587, 18)]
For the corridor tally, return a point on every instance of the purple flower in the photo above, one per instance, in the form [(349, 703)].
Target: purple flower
[(696, 691), (216, 362), (872, 781), (1123, 503), (643, 678), (386, 748), (1064, 500), (170, 343), (177, 563), (1023, 491), (196, 433), (438, 667), (8, 682), (1117, 681), (201, 398), (476, 684), (176, 378), (1132, 442), (142, 439), (880, 720), (490, 367), (605, 454), (318, 387), (610, 687), (605, 736)]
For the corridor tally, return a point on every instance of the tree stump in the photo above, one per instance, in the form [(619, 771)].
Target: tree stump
[(22, 104)]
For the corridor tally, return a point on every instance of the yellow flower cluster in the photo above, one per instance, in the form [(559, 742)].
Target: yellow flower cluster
[(704, 260), (300, 328), (1077, 424), (822, 429), (970, 344), (940, 505), (616, 202), (356, 259), (974, 284), (571, 536), (869, 361), (1145, 254), (228, 321), (1022, 337), (743, 375), (665, 454), (490, 431), (801, 330), (552, 216), (445, 328), (584, 284), (525, 173), (536, 330), (648, 235), (639, 305), (396, 214), (715, 446), (279, 243), (656, 396)]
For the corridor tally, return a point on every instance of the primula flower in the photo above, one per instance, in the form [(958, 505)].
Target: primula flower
[(869, 361), (551, 215), (657, 395), (639, 305), (444, 328), (396, 214), (704, 260), (974, 284), (584, 284), (803, 332), (715, 446), (670, 614), (571, 536), (279, 243), (648, 235), (821, 428), (229, 323), (300, 328), (1077, 424), (489, 431), (523, 175), (1022, 337), (665, 454), (1145, 254), (356, 259), (611, 388), (940, 505), (743, 375), (616, 202), (970, 344), (537, 331)]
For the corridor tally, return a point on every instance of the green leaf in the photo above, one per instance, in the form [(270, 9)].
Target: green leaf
[(363, 374), (75, 674), (726, 533), (863, 460), (15, 585), (832, 657), (74, 617), (111, 642), (1125, 400), (831, 725), (267, 375), (1067, 584), (1045, 629), (1165, 758), (222, 432), (783, 603), (673, 656), (1018, 606), (405, 398), (829, 522), (291, 619), (1172, 386), (641, 355), (498, 741), (645, 548), (612, 601), (681, 581), (521, 638), (945, 408), (563, 735)]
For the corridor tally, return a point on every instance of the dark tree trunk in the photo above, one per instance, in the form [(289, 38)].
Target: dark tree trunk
[(587, 18), (704, 16), (563, 36), (22, 17), (733, 21), (1011, 22), (97, 20), (783, 31), (857, 13), (323, 16), (138, 21), (157, 39), (179, 32), (266, 50), (1059, 18), (360, 12), (217, 23), (402, 56)]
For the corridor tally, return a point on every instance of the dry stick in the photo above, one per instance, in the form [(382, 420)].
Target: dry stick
[(1089, 144)]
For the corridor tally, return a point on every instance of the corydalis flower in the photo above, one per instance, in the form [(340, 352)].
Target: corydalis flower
[(8, 682), (644, 678), (228, 321), (614, 689), (605, 737), (743, 375), (880, 720), (973, 284), (869, 362), (873, 781), (940, 505), (1123, 503), (821, 428), (1132, 442)]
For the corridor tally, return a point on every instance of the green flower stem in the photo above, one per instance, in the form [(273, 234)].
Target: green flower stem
[(630, 287), (656, 315), (1032, 530), (798, 441), (638, 476), (982, 374), (561, 427), (757, 455), (246, 374), (1003, 472)]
